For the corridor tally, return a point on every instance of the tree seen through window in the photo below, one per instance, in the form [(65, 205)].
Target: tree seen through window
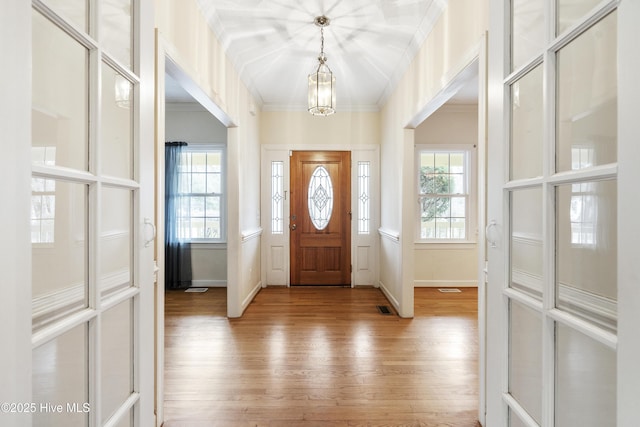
[(443, 195)]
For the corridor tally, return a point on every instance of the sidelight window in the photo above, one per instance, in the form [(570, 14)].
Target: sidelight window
[(364, 197), (277, 197)]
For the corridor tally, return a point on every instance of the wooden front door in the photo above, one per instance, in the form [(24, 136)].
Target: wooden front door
[(320, 218)]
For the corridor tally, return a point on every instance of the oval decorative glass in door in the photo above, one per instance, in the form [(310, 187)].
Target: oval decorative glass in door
[(320, 197)]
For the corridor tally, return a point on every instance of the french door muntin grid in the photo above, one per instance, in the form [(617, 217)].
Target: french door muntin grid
[(552, 317), (90, 318)]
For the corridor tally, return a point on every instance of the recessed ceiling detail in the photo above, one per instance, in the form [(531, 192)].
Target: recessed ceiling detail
[(273, 46)]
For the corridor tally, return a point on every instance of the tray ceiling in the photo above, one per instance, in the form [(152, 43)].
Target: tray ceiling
[(274, 45)]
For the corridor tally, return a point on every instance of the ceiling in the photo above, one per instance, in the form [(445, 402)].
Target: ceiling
[(274, 45)]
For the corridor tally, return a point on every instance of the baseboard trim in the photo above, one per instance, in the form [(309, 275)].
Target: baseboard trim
[(389, 296), (257, 288)]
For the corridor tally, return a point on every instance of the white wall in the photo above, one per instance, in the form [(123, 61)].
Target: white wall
[(192, 46), (294, 128), (450, 47), (192, 124), (449, 264)]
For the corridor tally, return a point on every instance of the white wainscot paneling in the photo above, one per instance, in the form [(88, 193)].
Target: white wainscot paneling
[(446, 265), (362, 257), (277, 259), (276, 262), (390, 265), (364, 274), (250, 277)]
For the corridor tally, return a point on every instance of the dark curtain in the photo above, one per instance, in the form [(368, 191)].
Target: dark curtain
[(177, 253)]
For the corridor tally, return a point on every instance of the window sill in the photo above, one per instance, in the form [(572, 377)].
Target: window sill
[(444, 245), (209, 245)]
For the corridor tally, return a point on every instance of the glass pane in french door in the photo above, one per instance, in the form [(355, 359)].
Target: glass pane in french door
[(61, 377), (126, 421), (116, 241), (570, 12), (585, 381), (514, 420), (59, 213), (525, 360), (526, 241), (116, 130), (587, 86), (76, 11), (60, 95), (526, 126), (527, 30), (586, 250), (117, 357), (116, 20)]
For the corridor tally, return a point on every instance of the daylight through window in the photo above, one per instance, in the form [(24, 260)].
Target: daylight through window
[(443, 194), (43, 198), (584, 206), (200, 216)]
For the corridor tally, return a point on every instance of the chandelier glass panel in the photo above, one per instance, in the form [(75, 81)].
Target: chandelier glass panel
[(322, 83)]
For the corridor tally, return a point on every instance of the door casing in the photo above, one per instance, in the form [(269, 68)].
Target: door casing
[(364, 245)]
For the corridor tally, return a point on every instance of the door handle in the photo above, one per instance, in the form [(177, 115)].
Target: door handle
[(147, 241), (491, 237), (293, 226)]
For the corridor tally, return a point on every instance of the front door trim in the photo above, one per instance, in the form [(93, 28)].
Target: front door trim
[(364, 247)]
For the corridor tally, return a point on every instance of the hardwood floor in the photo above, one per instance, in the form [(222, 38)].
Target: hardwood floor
[(309, 356)]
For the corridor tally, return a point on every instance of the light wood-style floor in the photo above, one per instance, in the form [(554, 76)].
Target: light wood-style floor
[(321, 356)]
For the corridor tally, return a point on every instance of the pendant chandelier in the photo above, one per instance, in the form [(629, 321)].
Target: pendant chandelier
[(322, 83)]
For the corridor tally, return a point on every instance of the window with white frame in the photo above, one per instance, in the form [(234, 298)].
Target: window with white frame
[(584, 206), (444, 193), (201, 216), (43, 198)]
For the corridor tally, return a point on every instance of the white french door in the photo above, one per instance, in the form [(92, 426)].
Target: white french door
[(556, 236), (91, 213)]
